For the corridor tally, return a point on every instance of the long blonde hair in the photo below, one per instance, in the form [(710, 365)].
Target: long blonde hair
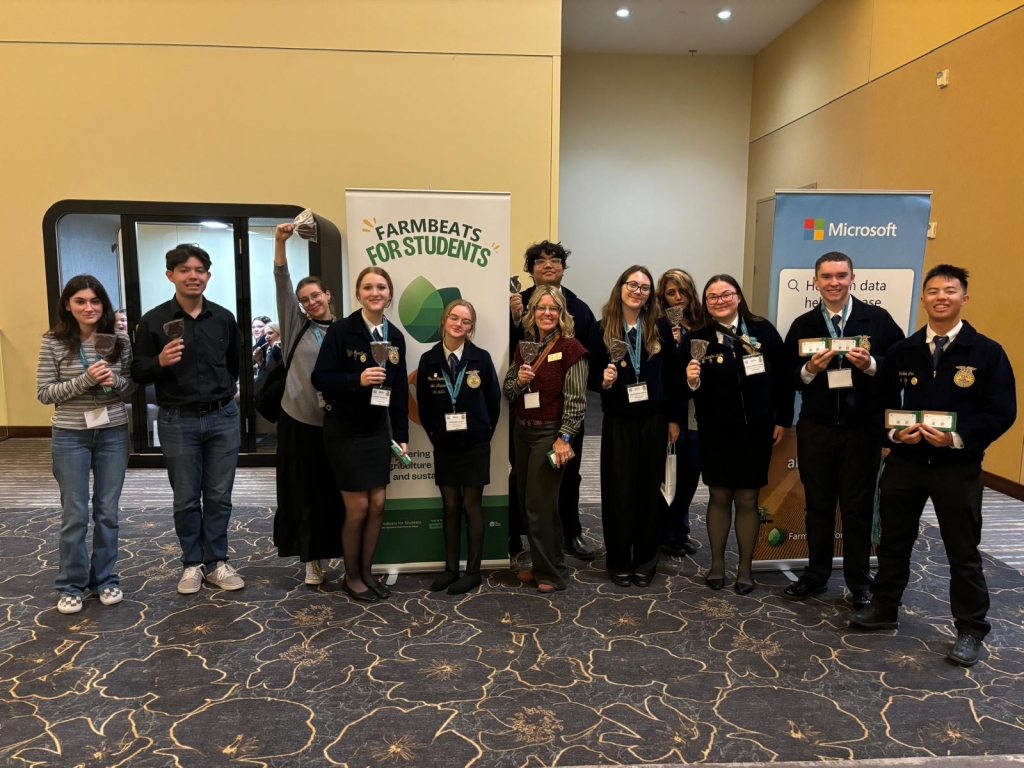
[(611, 314), (565, 321)]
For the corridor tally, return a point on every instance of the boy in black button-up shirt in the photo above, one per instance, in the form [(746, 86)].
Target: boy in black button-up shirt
[(947, 366)]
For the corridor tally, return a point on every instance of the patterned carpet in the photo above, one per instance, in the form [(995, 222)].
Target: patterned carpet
[(283, 674)]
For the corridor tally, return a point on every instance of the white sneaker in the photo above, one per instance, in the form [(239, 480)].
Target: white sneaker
[(314, 573), (111, 595), (191, 580), (69, 603), (225, 577)]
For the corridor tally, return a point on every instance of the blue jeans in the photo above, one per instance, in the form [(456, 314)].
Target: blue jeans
[(75, 452), (202, 453)]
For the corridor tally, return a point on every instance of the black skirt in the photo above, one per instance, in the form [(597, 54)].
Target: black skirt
[(463, 466), (309, 513), (736, 456), (359, 461)]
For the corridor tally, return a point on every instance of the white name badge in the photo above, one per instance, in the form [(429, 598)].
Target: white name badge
[(97, 418), (840, 378), (753, 364), (320, 400), (811, 347), (380, 396), (637, 393), (842, 345), (455, 422), (531, 400)]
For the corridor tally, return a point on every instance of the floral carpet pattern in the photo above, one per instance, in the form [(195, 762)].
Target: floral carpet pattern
[(282, 674)]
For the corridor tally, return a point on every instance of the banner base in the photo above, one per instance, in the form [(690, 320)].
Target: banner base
[(495, 564), (790, 565)]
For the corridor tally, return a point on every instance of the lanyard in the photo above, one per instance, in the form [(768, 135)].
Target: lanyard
[(85, 363), (317, 333), (384, 333), (453, 392), (828, 318), (634, 352)]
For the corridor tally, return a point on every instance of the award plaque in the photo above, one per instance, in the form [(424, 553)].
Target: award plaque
[(174, 329), (698, 349), (379, 350), (811, 347), (528, 350), (676, 315), (617, 351), (901, 419), (514, 285), (842, 345), (104, 343), (305, 225), (944, 421)]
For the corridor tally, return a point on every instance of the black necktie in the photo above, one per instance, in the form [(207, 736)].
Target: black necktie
[(453, 365), (837, 324), (940, 342), (632, 337), (377, 336)]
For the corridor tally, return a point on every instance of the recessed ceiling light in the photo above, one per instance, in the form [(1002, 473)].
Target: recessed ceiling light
[(214, 224), (622, 13), (723, 15)]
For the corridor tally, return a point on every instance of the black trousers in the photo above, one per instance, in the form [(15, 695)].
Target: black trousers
[(632, 470), (838, 465), (955, 490), (568, 494)]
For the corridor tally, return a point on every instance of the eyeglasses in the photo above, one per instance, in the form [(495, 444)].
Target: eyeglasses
[(555, 262), (547, 310), (715, 298), (307, 300), (635, 287), (465, 322)]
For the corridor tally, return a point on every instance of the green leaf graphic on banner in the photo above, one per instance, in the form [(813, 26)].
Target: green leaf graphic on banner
[(420, 309)]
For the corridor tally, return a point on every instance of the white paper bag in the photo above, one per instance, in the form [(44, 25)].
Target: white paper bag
[(668, 488)]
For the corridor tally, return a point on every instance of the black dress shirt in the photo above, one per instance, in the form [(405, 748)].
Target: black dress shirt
[(209, 365)]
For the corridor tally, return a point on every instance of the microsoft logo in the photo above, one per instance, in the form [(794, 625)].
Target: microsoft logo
[(814, 229)]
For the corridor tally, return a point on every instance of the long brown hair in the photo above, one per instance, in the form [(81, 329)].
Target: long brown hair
[(611, 314), (565, 322), (66, 329), (684, 282)]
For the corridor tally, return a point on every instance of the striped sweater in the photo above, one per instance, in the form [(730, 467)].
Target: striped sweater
[(62, 381)]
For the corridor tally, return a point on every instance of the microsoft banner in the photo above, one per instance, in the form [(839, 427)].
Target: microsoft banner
[(436, 246), (885, 234)]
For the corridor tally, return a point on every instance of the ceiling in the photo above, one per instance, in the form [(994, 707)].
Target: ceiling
[(677, 26)]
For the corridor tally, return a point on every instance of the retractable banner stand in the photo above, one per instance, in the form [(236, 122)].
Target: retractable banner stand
[(885, 234), (436, 246)]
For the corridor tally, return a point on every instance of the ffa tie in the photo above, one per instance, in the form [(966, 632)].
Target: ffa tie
[(377, 336), (837, 323), (940, 342), (453, 365)]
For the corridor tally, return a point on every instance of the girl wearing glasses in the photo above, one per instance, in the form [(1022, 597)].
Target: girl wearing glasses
[(459, 404), (677, 289), (636, 355), (304, 525), (361, 373), (550, 399), (743, 403)]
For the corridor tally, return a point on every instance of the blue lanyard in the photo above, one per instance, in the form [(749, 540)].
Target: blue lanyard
[(453, 392), (317, 333), (384, 333), (828, 318), (634, 352)]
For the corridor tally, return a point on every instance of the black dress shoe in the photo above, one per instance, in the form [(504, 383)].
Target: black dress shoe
[(965, 650), (673, 549), (379, 588), (861, 599), (689, 547), (366, 596), (715, 582), (468, 582), (743, 587), (641, 580), (621, 579), (875, 616), (578, 548), (515, 545), (444, 581), (802, 588)]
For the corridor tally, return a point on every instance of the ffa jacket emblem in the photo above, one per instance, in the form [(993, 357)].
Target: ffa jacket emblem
[(964, 376), (393, 355), (865, 343), (657, 347), (473, 379), (362, 358)]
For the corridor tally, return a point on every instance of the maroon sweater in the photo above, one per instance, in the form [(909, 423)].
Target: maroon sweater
[(549, 380)]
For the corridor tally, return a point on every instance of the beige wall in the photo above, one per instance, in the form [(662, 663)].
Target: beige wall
[(899, 131), (247, 103), (653, 166)]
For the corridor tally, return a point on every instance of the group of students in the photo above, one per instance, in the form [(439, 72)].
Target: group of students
[(715, 379)]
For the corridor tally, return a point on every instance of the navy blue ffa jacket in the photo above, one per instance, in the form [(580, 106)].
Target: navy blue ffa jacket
[(479, 397), (582, 318), (661, 373), (974, 379), (727, 396), (344, 355), (849, 406)]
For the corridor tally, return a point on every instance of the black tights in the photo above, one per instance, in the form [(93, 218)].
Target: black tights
[(748, 523), (364, 516), (455, 500)]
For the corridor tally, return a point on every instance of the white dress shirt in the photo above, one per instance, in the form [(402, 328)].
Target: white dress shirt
[(806, 376)]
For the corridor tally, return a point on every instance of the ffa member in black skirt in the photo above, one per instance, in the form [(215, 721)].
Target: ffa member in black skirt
[(946, 369), (550, 400), (360, 395), (459, 403), (743, 404), (641, 417)]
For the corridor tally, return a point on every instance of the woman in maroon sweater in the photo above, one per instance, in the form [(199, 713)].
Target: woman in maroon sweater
[(550, 399)]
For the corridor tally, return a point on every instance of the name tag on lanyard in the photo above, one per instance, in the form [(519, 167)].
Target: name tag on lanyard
[(97, 417), (531, 400), (455, 422), (840, 378), (637, 393), (753, 364), (380, 396)]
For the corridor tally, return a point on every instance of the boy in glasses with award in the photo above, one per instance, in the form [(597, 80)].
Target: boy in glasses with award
[(958, 396)]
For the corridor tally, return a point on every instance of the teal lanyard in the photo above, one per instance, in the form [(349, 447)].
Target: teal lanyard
[(317, 333), (828, 318), (384, 333), (634, 352), (453, 392)]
